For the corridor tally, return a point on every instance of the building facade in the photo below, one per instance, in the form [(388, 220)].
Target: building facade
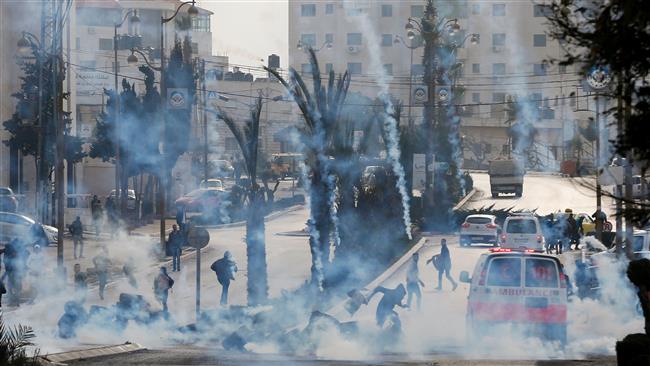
[(369, 39)]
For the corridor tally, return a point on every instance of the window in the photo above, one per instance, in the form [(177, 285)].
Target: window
[(522, 226), (541, 273), (478, 220), (536, 98), (541, 11), (476, 97), (386, 10), (561, 69), (329, 38), (329, 67), (476, 68), (308, 10), (329, 8), (305, 69), (201, 23), (195, 47), (499, 69), (353, 12), (308, 39), (498, 39), (539, 40), (505, 271), (105, 44), (417, 11), (497, 110), (476, 9), (388, 69), (354, 68), (77, 43), (539, 69), (386, 40), (499, 10), (354, 39)]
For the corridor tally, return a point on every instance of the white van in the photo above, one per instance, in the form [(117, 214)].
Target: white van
[(519, 288), (522, 231)]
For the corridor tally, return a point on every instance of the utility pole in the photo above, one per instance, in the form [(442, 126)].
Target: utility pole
[(57, 98), (598, 218), (205, 123)]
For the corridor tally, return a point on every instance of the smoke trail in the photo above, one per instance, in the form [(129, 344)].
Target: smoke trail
[(390, 124)]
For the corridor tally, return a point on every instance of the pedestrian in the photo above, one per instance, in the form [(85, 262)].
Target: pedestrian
[(96, 210), (161, 286), (80, 284), (225, 268), (129, 272), (15, 261), (111, 215), (175, 243), (570, 230), (386, 306), (76, 230), (102, 266), (442, 262), (413, 281)]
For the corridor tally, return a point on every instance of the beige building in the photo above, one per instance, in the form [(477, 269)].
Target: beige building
[(368, 38)]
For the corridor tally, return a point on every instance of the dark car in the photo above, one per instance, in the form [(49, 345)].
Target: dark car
[(8, 200)]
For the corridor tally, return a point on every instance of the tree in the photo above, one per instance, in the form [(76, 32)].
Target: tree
[(612, 35), (248, 139), (320, 109)]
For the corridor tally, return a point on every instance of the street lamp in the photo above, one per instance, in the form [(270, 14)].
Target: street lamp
[(132, 15), (133, 59), (193, 11)]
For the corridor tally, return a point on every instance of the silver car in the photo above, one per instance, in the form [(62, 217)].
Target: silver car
[(14, 226)]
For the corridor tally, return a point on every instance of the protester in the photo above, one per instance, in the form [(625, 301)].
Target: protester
[(77, 230), (80, 285), (96, 210), (225, 269), (129, 271), (391, 298), (15, 261), (102, 266), (413, 281), (175, 243), (442, 262), (36, 266), (111, 215), (161, 286)]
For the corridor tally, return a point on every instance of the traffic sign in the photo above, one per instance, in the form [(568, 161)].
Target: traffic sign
[(198, 237)]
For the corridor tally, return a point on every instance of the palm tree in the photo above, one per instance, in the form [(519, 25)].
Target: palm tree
[(320, 108), (13, 344), (247, 138)]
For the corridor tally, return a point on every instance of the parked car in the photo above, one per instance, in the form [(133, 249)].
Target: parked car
[(14, 226), (130, 200), (202, 200), (640, 247), (212, 184), (479, 229), (8, 200), (524, 290), (522, 231), (286, 165)]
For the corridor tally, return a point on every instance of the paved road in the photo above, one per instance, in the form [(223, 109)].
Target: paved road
[(546, 193)]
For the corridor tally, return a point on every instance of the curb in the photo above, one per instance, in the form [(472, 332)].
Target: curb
[(63, 357), (465, 199)]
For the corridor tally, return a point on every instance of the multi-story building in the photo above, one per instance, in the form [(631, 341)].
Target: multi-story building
[(368, 38)]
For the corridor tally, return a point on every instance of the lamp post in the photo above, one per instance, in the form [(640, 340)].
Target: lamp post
[(432, 29), (192, 12), (121, 198)]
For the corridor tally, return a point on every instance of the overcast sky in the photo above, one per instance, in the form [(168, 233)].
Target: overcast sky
[(249, 30)]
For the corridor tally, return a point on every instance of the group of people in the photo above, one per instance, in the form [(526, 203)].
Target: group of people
[(562, 231), (97, 212), (394, 297)]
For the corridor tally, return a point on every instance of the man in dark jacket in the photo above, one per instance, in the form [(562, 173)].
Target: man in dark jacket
[(76, 230), (442, 262), (96, 210), (225, 268), (175, 242), (161, 286), (391, 298)]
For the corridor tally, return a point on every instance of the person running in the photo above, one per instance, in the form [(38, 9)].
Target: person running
[(161, 286), (102, 266), (225, 269), (442, 262), (385, 308), (413, 281)]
